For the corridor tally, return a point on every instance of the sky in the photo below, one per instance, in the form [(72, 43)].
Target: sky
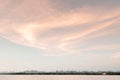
[(49, 35)]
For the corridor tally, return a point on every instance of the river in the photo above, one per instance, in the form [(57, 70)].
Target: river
[(59, 77)]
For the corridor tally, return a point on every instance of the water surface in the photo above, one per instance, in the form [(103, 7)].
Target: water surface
[(58, 77)]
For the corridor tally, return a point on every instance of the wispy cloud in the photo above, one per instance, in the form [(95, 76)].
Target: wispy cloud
[(43, 25), (116, 55)]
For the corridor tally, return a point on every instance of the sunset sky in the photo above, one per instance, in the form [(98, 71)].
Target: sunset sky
[(48, 35)]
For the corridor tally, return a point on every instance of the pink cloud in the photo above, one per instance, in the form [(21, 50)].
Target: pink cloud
[(116, 55), (25, 23)]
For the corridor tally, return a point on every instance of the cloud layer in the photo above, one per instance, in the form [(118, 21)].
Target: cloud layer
[(61, 30)]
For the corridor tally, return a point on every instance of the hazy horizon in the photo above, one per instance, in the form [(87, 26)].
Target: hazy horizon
[(51, 35)]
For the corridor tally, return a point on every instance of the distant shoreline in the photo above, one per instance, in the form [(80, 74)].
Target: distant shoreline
[(63, 73)]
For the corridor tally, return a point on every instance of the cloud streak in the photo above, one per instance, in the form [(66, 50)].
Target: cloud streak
[(43, 25)]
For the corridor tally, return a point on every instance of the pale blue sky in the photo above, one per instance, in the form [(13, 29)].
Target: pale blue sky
[(50, 35)]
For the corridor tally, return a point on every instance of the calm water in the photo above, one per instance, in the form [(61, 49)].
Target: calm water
[(57, 77)]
